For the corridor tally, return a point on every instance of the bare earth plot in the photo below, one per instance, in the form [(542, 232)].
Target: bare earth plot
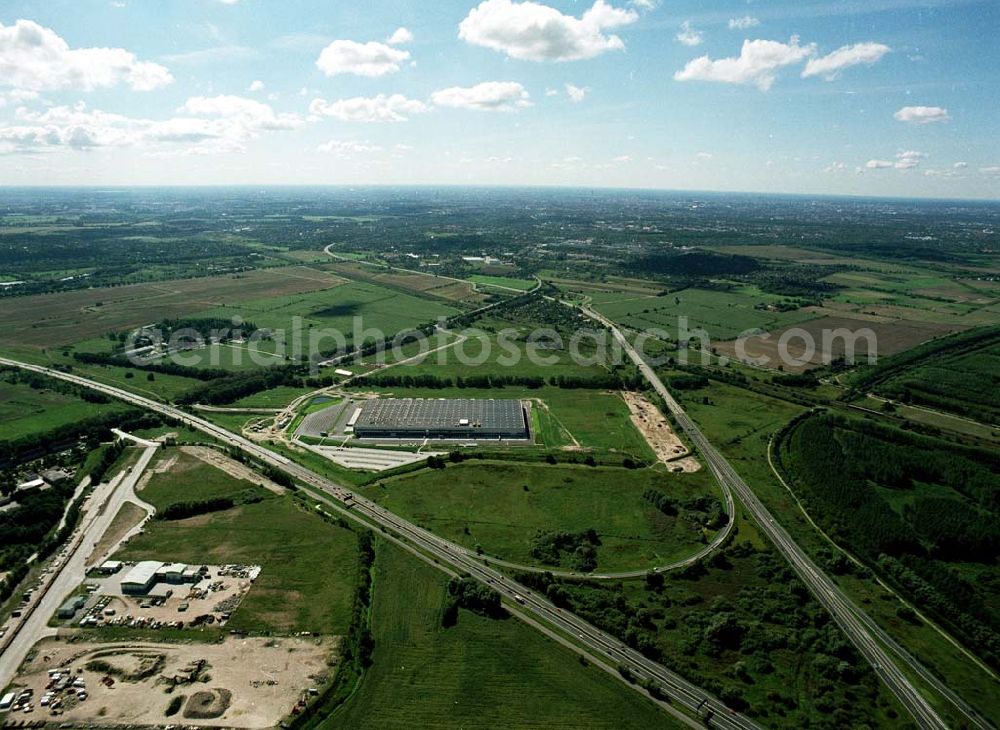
[(251, 682), (655, 428), (891, 336), (63, 318)]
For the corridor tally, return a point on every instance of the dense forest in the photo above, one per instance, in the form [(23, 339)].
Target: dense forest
[(922, 511)]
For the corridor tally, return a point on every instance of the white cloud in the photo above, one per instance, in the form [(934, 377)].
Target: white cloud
[(495, 96), (531, 31), (922, 114), (909, 158), (381, 108), (576, 93), (17, 96), (835, 167), (256, 86), (756, 64), (704, 155), (361, 59), (33, 57), (960, 165), (213, 125), (252, 114), (400, 37), (229, 2), (991, 170), (621, 159), (905, 160), (747, 21), (345, 149), (830, 65), (689, 36)]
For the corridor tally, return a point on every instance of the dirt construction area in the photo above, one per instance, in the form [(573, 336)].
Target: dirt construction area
[(241, 682), (655, 428)]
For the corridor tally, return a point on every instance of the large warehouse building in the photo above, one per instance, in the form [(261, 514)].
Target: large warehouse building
[(450, 419)]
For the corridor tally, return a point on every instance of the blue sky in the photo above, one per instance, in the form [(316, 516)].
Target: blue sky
[(883, 97)]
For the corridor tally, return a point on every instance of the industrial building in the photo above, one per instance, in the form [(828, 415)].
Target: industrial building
[(143, 576), (70, 607), (449, 419), (140, 578)]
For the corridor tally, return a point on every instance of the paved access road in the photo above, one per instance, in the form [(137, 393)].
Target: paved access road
[(681, 692), (70, 571), (851, 619)]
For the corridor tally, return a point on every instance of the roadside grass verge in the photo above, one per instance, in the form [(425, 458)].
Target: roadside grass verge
[(482, 672)]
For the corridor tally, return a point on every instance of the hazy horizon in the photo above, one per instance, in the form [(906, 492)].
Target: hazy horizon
[(883, 99)]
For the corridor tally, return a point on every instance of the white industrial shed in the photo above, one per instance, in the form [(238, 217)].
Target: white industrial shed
[(141, 578)]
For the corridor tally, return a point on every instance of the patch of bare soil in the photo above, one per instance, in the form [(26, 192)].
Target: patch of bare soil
[(655, 428), (241, 682)]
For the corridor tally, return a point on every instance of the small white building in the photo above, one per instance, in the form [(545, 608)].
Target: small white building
[(110, 567), (141, 577), (27, 486)]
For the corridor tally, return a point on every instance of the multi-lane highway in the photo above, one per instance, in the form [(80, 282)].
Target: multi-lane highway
[(848, 616), (681, 692)]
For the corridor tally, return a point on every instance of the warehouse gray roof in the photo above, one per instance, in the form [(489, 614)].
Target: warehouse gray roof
[(428, 413)]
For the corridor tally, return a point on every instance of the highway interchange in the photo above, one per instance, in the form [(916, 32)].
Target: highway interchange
[(680, 691), (858, 626)]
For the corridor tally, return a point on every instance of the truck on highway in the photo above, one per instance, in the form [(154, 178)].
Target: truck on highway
[(519, 599)]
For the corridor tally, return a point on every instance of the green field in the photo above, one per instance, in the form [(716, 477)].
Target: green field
[(377, 307), (503, 281), (274, 398), (189, 479), (503, 507), (293, 592), (480, 673), (161, 387), (486, 352), (722, 314), (26, 411)]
